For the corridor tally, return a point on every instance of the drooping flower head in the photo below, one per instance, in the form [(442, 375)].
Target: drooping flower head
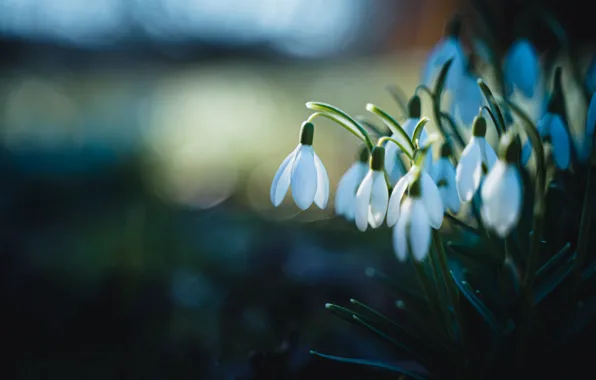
[(553, 129), (521, 69), (443, 173), (304, 172), (501, 193), (412, 233), (475, 162), (345, 198), (449, 47), (372, 195)]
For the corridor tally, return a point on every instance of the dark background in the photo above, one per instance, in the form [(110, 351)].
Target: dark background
[(126, 252)]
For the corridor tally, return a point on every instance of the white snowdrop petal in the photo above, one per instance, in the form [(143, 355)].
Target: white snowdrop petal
[(362, 201), (346, 189), (281, 180), (489, 155), (522, 68), (501, 198), (432, 201), (322, 194), (560, 141), (469, 99), (419, 230), (397, 193), (304, 177), (378, 200), (468, 172), (400, 238)]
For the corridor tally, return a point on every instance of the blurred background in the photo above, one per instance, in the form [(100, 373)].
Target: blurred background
[(138, 141)]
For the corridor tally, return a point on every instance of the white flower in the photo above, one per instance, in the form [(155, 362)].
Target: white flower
[(501, 196), (588, 138), (431, 198), (476, 160), (551, 126), (304, 171), (345, 197), (413, 230), (444, 176), (448, 48), (371, 200), (372, 195), (466, 100), (522, 69)]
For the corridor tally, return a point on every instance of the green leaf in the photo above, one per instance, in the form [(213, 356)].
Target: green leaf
[(554, 260), (398, 132), (418, 130), (373, 364), (545, 287), (478, 304), (440, 84), (494, 107), (363, 321), (373, 128)]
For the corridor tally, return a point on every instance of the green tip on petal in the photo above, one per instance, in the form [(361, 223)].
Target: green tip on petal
[(479, 127), (415, 189), (307, 133), (446, 149), (510, 148), (377, 161), (414, 107), (364, 154)]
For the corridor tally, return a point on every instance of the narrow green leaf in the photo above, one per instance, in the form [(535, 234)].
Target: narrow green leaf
[(478, 304), (398, 132), (494, 107), (440, 84), (418, 130), (554, 260), (546, 286), (373, 364)]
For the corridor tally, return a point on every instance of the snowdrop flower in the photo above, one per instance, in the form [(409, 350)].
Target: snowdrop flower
[(588, 138), (552, 128), (372, 195), (501, 193), (392, 150), (476, 160), (345, 197), (522, 69), (412, 233), (467, 99), (443, 174), (304, 172), (448, 48), (431, 197)]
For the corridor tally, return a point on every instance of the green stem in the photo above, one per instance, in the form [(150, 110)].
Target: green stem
[(387, 138), (338, 121), (538, 224), (452, 291), (326, 109)]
